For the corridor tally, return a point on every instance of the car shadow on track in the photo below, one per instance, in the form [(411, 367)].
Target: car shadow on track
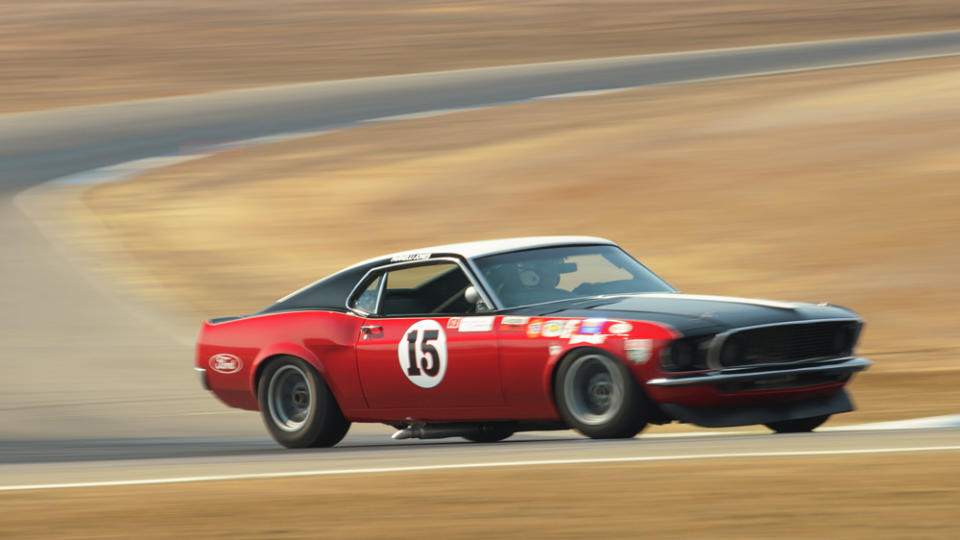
[(117, 449)]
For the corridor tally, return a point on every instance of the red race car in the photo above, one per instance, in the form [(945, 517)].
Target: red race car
[(484, 339)]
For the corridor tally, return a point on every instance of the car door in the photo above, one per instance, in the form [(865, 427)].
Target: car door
[(420, 348)]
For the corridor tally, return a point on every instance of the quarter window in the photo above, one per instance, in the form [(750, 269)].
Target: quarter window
[(367, 301)]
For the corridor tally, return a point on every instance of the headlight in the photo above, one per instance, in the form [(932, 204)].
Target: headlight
[(686, 354), (733, 352)]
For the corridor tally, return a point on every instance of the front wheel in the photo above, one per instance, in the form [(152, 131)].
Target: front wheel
[(298, 407), (597, 396), (801, 425)]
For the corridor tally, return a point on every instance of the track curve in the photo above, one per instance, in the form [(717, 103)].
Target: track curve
[(88, 377)]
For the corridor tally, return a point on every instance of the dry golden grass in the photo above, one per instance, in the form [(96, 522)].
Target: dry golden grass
[(877, 497), (837, 185), (61, 52)]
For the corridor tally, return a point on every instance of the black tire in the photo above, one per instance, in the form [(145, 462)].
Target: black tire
[(491, 433), (801, 425), (298, 407), (597, 395)]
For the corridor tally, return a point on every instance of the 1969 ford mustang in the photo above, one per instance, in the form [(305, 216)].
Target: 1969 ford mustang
[(484, 339)]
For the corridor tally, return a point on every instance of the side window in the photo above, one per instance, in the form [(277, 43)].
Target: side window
[(431, 289), (367, 301)]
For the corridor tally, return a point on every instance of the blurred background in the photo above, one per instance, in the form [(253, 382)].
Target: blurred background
[(839, 185)]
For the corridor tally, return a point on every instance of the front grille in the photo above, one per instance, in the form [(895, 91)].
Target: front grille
[(788, 343)]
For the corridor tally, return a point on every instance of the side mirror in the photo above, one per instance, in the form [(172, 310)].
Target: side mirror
[(471, 295)]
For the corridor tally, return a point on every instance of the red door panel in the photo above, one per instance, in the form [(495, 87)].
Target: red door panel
[(429, 363)]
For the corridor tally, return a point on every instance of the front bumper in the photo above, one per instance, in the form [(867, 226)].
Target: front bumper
[(844, 367), (748, 415), (758, 395)]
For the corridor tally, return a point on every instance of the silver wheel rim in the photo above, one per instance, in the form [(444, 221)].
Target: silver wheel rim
[(594, 389), (289, 398)]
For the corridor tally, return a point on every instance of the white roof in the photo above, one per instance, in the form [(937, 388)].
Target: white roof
[(478, 249), (489, 247)]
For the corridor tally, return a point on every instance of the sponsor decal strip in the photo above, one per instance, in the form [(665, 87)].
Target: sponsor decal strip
[(592, 326), (576, 330), (530, 463), (534, 329), (410, 257), (476, 324), (552, 329), (620, 328), (592, 339), (514, 322), (569, 328), (638, 350)]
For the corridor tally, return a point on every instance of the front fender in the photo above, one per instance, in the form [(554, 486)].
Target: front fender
[(615, 345)]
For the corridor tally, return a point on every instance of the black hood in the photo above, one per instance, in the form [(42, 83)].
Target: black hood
[(690, 314)]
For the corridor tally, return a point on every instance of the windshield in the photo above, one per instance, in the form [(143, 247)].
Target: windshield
[(562, 273)]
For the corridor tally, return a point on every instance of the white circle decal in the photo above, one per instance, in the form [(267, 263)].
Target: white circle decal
[(423, 353)]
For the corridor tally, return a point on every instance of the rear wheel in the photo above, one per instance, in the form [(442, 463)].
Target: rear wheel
[(298, 407), (801, 425), (597, 396)]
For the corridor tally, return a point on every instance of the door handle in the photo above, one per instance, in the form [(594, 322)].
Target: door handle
[(371, 329)]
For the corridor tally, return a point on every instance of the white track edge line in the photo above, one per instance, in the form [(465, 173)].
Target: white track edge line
[(415, 468)]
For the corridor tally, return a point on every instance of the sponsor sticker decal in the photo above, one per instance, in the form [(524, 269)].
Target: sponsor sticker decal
[(476, 324), (422, 353), (552, 329), (569, 328), (533, 329), (620, 328), (592, 326), (554, 350), (225, 363), (410, 257), (592, 339), (454, 322), (638, 350), (513, 322)]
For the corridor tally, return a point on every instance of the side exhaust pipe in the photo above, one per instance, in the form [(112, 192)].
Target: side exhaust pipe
[(437, 431), (412, 429)]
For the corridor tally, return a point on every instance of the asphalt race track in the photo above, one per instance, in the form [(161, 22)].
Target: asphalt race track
[(92, 379)]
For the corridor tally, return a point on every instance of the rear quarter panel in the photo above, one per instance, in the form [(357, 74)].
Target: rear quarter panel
[(324, 339)]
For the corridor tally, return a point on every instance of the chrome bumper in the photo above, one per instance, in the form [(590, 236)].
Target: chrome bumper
[(850, 365), (202, 375)]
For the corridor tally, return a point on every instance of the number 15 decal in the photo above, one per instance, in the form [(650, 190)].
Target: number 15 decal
[(423, 353)]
